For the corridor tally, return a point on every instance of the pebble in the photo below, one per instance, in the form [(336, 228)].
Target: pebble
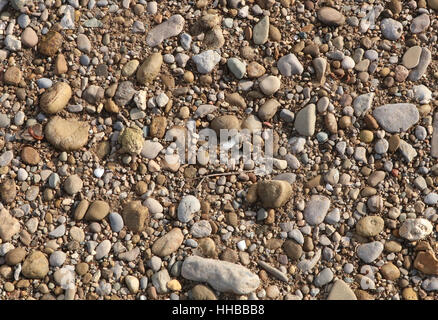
[(397, 117), (168, 243), (29, 38), (206, 61), (237, 67), (187, 207), (324, 277), (420, 69), (289, 65), (370, 226), (9, 226), (341, 291), (221, 275), (116, 221), (316, 209), (97, 211), (57, 258), (68, 134), (73, 184), (369, 252), (201, 229), (330, 16), (305, 120), (170, 28), (415, 229), (261, 31), (150, 68), (270, 85), (56, 98), (103, 249), (411, 58), (391, 29), (274, 193), (420, 23), (35, 266)]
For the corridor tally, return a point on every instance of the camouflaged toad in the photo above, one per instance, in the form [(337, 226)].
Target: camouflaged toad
[(131, 140)]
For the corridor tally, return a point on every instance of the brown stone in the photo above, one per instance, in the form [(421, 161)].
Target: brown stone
[(13, 76), (426, 262), (30, 156), (50, 43), (158, 127), (136, 216), (274, 34), (230, 255)]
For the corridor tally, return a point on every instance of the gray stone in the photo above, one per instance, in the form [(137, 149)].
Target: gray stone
[(201, 229), (391, 29), (170, 28), (415, 229), (57, 232), (93, 94), (124, 93), (289, 65), (187, 207), (324, 277), (407, 151), (160, 280), (151, 149), (369, 252), (397, 117), (12, 43), (305, 120), (4, 120), (316, 209), (363, 103), (206, 61)]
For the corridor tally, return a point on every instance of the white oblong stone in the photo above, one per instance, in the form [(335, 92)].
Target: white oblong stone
[(223, 276)]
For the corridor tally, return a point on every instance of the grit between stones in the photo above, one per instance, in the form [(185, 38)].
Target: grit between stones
[(90, 209)]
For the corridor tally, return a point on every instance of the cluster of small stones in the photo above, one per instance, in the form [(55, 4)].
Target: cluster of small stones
[(90, 208)]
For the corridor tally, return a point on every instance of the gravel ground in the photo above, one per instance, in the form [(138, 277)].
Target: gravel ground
[(94, 92)]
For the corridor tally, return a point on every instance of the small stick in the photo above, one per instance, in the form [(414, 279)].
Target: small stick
[(217, 175)]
